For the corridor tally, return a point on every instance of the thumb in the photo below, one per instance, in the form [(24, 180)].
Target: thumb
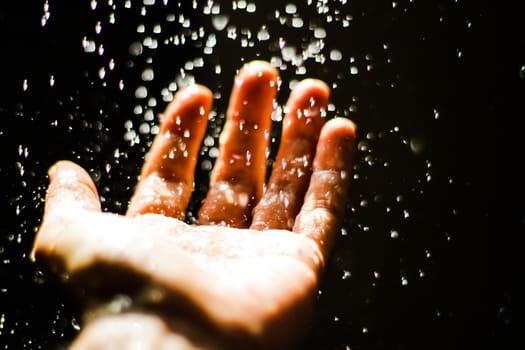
[(70, 187)]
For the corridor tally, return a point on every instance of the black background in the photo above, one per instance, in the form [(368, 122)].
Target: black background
[(424, 259)]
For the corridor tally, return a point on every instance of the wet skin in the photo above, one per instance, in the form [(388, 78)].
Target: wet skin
[(246, 276)]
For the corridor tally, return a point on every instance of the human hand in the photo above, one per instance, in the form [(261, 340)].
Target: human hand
[(247, 275)]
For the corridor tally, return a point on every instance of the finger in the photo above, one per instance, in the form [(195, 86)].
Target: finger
[(70, 186), (291, 171), (239, 172), (167, 177), (321, 215)]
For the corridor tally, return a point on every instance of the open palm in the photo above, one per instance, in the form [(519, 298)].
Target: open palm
[(247, 275)]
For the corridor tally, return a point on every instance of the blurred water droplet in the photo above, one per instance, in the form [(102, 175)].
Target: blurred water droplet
[(98, 27), (75, 324), (88, 45), (417, 145), (102, 73), (141, 92), (220, 22), (147, 74), (46, 15), (436, 113), (263, 34), (135, 49), (394, 234), (336, 55)]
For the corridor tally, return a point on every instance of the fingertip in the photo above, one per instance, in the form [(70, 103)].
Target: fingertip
[(197, 93), (70, 171), (313, 88), (339, 127), (71, 185), (190, 98), (258, 69)]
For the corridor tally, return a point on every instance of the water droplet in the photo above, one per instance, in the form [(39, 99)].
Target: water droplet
[(46, 15), (220, 22), (297, 22), (436, 113), (336, 55), (251, 8), (363, 146), (88, 45), (522, 72), (394, 234), (214, 152), (417, 145), (75, 324), (290, 9), (98, 27), (102, 73), (135, 49), (319, 33), (141, 92), (147, 74), (119, 304), (263, 34)]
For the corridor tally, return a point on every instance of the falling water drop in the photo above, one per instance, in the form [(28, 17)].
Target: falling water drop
[(220, 22)]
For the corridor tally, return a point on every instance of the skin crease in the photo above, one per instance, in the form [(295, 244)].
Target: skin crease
[(247, 276)]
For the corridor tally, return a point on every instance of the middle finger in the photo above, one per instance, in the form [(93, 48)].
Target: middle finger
[(239, 172)]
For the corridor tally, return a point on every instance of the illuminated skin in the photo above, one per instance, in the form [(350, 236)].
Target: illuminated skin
[(247, 276)]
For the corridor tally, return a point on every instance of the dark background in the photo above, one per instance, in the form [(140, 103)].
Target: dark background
[(424, 259)]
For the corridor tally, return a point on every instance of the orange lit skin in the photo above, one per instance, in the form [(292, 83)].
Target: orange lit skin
[(246, 277)]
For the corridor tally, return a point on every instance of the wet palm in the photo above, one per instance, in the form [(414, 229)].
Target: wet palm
[(247, 276)]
